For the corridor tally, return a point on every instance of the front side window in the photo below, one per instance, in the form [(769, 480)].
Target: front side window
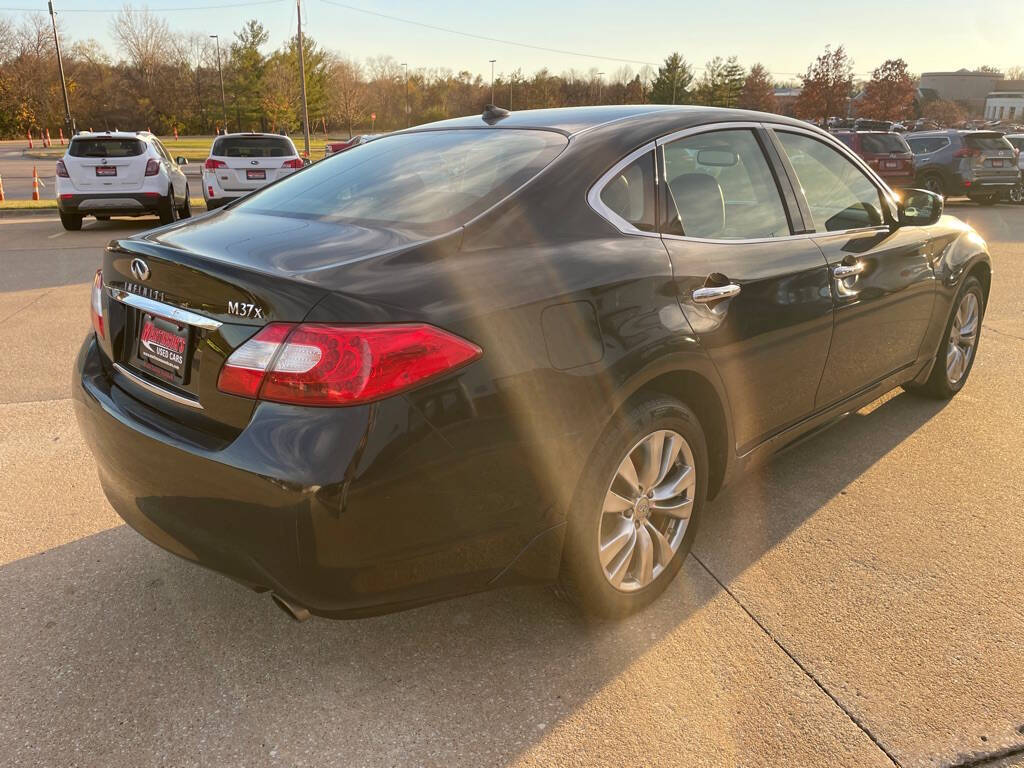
[(839, 195), (423, 183), (629, 194), (720, 186)]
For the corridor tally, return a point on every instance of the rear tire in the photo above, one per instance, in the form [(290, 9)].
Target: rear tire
[(949, 373), (1017, 194), (168, 210), (71, 221), (985, 199), (646, 563), (933, 183), (186, 210)]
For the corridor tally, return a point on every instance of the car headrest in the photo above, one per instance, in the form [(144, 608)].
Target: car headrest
[(700, 203)]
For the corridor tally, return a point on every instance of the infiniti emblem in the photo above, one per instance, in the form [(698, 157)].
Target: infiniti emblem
[(140, 269)]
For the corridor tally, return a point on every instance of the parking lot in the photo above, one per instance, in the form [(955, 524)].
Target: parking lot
[(857, 602)]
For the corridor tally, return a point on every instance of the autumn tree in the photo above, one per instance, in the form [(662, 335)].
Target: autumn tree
[(674, 77), (346, 93), (943, 112), (889, 94), (826, 85), (758, 92)]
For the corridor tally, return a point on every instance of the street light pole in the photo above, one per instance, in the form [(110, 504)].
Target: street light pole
[(60, 66), (492, 79), (600, 85), (223, 101), (408, 112), (302, 75)]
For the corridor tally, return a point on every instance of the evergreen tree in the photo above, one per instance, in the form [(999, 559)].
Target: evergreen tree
[(673, 80)]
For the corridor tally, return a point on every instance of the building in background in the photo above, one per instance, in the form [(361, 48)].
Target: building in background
[(968, 89), (1005, 106)]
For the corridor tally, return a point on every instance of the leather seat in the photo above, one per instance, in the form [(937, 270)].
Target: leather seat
[(700, 203)]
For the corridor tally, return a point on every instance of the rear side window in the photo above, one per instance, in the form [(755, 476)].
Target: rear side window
[(990, 142), (630, 193), (422, 183), (106, 148), (721, 187), (926, 144), (252, 146), (882, 143), (1017, 142), (839, 195)]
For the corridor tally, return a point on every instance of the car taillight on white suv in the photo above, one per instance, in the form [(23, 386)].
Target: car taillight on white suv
[(152, 167), (312, 364), (62, 170)]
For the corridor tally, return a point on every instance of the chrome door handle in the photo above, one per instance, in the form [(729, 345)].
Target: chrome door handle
[(848, 270), (713, 293)]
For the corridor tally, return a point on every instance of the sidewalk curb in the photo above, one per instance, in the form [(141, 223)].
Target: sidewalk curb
[(14, 213)]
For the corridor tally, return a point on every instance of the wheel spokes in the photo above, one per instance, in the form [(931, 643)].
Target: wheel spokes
[(645, 556), (662, 548), (627, 474), (620, 566), (613, 548), (678, 509), (616, 504), (647, 457)]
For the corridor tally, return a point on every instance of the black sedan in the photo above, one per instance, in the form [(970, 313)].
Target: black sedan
[(511, 348)]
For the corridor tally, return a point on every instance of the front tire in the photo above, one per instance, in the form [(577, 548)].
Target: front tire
[(933, 183), (71, 221), (959, 346), (635, 511), (186, 210)]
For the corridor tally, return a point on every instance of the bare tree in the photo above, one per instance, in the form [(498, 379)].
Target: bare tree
[(347, 94), (145, 39)]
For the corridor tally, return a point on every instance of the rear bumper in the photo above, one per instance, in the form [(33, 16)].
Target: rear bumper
[(110, 203), (328, 509)]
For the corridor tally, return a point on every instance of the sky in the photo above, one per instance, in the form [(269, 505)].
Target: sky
[(784, 35)]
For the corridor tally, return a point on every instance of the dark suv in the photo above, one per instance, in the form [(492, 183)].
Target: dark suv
[(979, 164), (887, 153)]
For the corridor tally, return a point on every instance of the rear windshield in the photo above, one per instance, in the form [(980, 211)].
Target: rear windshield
[(252, 146), (420, 183), (882, 143), (106, 148), (988, 141)]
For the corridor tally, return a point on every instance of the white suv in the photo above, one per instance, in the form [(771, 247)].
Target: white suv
[(241, 162), (120, 173)]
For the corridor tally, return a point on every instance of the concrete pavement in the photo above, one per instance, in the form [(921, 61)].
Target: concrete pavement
[(857, 602)]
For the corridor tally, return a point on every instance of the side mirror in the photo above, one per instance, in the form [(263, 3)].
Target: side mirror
[(919, 208), (181, 160)]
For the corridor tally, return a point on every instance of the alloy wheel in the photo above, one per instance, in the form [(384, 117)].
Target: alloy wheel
[(933, 184), (963, 337), (646, 510)]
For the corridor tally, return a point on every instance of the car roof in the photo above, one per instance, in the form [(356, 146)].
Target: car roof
[(141, 135), (251, 135)]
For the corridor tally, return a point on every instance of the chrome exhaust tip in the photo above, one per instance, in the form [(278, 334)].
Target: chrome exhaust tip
[(297, 612)]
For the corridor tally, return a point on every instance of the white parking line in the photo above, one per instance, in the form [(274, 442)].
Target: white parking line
[(57, 234)]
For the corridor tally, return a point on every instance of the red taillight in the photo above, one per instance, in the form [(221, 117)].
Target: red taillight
[(313, 364), (152, 167), (967, 152), (209, 189), (66, 196), (62, 170), (212, 165), (295, 162), (96, 305)]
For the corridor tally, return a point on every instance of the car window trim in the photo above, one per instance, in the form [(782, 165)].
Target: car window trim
[(606, 213), (757, 128), (886, 195)]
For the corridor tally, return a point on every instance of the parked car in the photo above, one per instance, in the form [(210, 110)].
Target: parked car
[(242, 162), (334, 147), (120, 173), (522, 348), (867, 124), (979, 164), (1017, 192), (887, 153)]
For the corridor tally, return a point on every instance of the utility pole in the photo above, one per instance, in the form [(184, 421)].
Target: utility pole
[(600, 85), (60, 66), (492, 79), (223, 101), (408, 112), (302, 74)]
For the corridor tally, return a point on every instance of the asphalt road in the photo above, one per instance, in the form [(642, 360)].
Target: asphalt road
[(858, 602)]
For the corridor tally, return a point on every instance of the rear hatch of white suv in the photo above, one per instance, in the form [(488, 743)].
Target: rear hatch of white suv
[(106, 163), (244, 163)]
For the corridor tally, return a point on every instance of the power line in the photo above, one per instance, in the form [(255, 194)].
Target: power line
[(246, 4), (451, 31)]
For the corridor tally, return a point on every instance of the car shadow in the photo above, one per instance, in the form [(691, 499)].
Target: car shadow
[(112, 648)]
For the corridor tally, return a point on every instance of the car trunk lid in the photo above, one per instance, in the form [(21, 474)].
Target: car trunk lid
[(106, 163), (250, 162)]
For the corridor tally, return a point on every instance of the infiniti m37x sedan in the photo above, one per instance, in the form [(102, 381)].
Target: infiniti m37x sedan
[(511, 348)]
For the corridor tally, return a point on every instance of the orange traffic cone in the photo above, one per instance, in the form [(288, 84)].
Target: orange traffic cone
[(29, 134), (175, 133), (61, 130), (48, 142), (35, 184), (1, 189)]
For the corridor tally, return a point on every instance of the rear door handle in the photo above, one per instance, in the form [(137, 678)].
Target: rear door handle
[(715, 293), (847, 270)]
